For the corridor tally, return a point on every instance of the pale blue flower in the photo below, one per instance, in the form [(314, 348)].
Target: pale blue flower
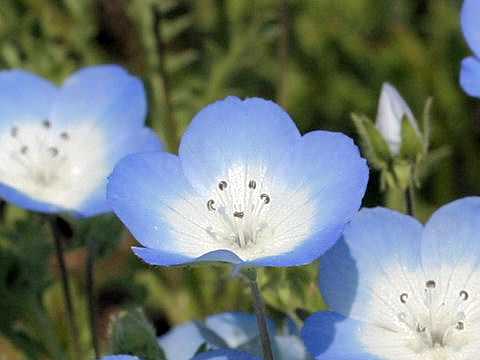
[(59, 144), (246, 187), (401, 290), (225, 354), (470, 72)]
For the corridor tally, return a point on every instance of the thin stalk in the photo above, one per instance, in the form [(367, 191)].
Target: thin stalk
[(170, 126), (90, 286), (409, 200), (66, 287), (261, 320)]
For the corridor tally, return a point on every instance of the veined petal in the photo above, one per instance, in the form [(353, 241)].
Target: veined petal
[(224, 354), (181, 342), (469, 16), (331, 336), (135, 141), (25, 98), (236, 328), (153, 198), (254, 132), (316, 190), (378, 254), (470, 76), (105, 96), (451, 247)]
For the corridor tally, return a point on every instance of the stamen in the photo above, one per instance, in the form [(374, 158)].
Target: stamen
[(420, 328), (460, 325), (46, 124), (222, 185), (403, 298), (24, 149), (252, 184), (463, 295), (239, 214), (265, 198), (210, 205), (14, 131), (430, 284), (53, 151), (64, 135)]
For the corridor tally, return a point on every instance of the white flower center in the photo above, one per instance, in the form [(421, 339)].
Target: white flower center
[(238, 213), (58, 166), (432, 319)]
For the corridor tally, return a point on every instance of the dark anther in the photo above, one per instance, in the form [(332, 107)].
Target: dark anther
[(222, 185), (53, 151), (210, 205), (238, 214), (420, 328), (46, 124), (265, 198), (403, 298), (252, 184), (460, 326), (64, 135), (14, 131), (430, 284), (24, 149), (463, 295)]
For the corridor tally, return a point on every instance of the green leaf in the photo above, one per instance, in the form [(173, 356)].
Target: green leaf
[(427, 115), (412, 148), (373, 144)]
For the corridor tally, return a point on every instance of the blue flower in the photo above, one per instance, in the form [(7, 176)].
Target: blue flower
[(246, 187), (120, 357), (230, 330), (58, 145), (470, 72), (225, 354), (400, 290)]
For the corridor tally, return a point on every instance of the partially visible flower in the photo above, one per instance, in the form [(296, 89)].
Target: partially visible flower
[(224, 354), (399, 290), (470, 71), (58, 145), (120, 357), (232, 330), (246, 188), (392, 109)]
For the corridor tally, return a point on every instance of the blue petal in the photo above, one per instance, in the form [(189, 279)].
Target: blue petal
[(120, 357), (139, 140), (20, 199), (470, 76), (329, 168), (104, 95), (236, 328), (25, 98), (451, 237), (254, 132), (373, 244), (469, 16), (181, 342), (224, 354), (331, 336)]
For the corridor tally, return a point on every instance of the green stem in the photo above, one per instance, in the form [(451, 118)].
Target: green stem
[(66, 287), (90, 286), (409, 200), (261, 320)]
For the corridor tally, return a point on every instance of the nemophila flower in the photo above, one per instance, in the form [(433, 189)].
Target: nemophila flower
[(120, 357), (231, 330), (246, 187), (399, 290), (58, 145), (225, 354), (470, 71), (392, 109)]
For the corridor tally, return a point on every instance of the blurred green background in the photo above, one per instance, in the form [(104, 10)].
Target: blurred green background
[(319, 59)]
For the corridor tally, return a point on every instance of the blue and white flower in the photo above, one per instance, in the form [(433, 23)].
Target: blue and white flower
[(225, 354), (231, 330), (392, 109), (401, 290), (246, 187), (58, 145), (470, 72)]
